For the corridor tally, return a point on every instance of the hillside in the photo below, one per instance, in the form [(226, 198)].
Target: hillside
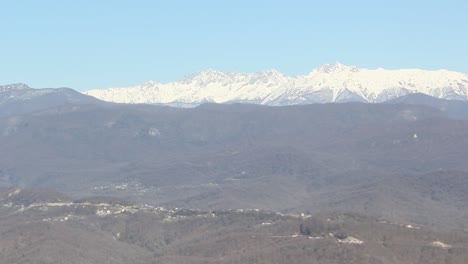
[(366, 158), (20, 99), (453, 108), (60, 231)]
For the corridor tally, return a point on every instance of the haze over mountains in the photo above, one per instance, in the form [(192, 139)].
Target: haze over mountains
[(329, 83), (83, 179), (399, 161)]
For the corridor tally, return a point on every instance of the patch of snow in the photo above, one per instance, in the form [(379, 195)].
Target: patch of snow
[(351, 240), (440, 244)]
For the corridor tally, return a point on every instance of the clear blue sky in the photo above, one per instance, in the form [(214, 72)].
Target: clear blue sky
[(87, 44)]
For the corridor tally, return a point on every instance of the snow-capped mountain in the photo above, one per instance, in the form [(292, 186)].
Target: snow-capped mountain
[(328, 83)]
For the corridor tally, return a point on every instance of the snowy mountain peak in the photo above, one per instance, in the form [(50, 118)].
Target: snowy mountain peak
[(271, 73), (207, 76), (150, 83), (336, 67), (329, 83), (15, 86)]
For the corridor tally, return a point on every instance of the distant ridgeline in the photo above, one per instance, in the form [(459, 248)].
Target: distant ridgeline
[(329, 83)]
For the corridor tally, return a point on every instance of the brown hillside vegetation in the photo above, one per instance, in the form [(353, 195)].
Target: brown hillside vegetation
[(99, 232)]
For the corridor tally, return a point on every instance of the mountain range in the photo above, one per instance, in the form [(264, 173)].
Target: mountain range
[(87, 181), (328, 83), (400, 161)]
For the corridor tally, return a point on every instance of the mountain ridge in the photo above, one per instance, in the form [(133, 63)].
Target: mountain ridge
[(20, 98), (14, 86), (329, 83)]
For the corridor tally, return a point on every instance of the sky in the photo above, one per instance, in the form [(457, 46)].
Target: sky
[(90, 44)]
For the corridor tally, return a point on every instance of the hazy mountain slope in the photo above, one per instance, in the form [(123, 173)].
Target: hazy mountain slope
[(314, 157), (329, 83), (19, 99), (454, 108)]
